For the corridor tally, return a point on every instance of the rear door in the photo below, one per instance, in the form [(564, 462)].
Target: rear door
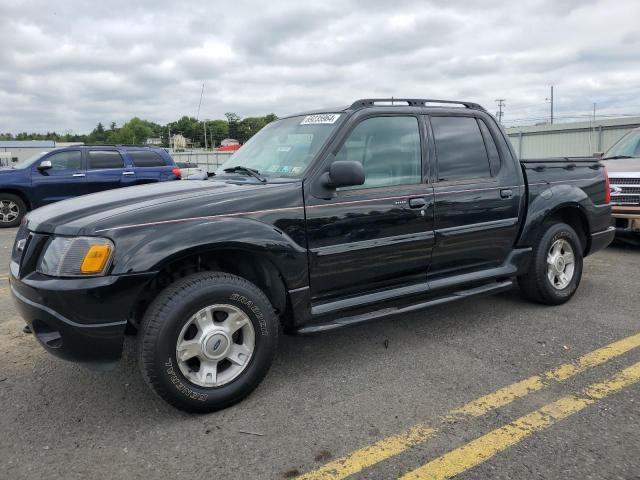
[(378, 234), (477, 196), (106, 169), (150, 166), (65, 179)]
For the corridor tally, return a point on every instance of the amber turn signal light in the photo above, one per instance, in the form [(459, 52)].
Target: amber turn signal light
[(96, 259)]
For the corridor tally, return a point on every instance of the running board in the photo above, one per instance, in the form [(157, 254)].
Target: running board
[(494, 287)]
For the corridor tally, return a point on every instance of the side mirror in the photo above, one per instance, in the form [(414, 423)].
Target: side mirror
[(598, 155), (344, 173), (45, 165)]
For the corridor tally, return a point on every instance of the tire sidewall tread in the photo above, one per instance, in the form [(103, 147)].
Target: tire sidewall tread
[(165, 318), (535, 284)]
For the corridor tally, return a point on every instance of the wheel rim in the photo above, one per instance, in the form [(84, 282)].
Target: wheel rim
[(9, 211), (215, 345), (561, 264)]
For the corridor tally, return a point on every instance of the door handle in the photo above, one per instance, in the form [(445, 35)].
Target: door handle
[(417, 202), (78, 174), (128, 173), (506, 193)]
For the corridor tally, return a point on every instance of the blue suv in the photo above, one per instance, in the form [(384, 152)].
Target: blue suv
[(69, 172)]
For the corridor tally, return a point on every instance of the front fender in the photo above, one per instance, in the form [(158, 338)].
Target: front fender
[(149, 248)]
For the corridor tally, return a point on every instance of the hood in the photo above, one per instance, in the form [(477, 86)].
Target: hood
[(156, 202), (622, 165)]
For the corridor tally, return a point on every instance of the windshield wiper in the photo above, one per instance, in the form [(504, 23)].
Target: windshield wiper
[(249, 171), (616, 157)]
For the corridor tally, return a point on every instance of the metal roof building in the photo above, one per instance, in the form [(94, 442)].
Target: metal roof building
[(570, 139), (16, 150)]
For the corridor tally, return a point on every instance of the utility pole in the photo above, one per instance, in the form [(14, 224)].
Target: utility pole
[(204, 127), (550, 99), (501, 105), (200, 102)]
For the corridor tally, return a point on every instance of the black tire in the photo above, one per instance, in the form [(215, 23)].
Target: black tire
[(5, 200), (172, 309), (535, 284)]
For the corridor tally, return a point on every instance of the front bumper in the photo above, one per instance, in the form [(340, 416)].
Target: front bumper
[(80, 320), (626, 219)]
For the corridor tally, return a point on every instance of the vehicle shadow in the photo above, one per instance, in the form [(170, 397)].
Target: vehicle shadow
[(303, 364)]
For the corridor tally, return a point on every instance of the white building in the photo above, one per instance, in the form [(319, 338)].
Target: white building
[(570, 139), (16, 150)]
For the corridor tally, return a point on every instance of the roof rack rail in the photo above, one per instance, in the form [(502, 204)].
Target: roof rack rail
[(412, 102), (117, 145)]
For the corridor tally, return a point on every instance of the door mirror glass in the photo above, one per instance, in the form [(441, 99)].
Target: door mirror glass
[(45, 165), (598, 155), (344, 173)]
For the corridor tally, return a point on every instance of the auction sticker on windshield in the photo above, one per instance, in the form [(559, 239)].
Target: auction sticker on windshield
[(321, 118)]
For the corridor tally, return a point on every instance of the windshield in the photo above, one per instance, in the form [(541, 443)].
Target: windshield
[(284, 148), (28, 161), (627, 146)]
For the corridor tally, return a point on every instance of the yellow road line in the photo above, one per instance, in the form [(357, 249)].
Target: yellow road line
[(481, 449), (388, 447), (506, 395), (370, 455)]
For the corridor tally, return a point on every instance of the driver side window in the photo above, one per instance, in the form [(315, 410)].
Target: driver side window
[(389, 150), (71, 160)]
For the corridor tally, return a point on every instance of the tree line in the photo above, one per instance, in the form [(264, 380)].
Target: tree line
[(137, 131)]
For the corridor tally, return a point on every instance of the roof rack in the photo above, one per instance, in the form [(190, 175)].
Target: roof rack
[(411, 102), (137, 145)]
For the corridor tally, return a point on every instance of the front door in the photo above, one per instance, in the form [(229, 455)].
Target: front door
[(477, 197), (378, 234), (65, 179)]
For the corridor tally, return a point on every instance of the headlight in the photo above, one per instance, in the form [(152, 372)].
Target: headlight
[(76, 257)]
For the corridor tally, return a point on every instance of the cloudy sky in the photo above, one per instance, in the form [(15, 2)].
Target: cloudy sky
[(66, 65)]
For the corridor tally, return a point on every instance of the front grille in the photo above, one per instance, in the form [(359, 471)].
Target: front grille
[(624, 181), (20, 243), (625, 199)]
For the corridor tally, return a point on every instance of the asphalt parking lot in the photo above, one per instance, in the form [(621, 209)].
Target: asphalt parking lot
[(486, 388)]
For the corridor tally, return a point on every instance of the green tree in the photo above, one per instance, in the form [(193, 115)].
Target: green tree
[(233, 121), (218, 130)]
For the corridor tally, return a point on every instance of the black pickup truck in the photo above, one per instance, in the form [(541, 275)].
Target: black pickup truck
[(322, 220)]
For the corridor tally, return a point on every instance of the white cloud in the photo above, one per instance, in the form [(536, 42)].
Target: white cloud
[(67, 65)]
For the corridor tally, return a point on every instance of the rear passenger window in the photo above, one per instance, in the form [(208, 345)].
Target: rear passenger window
[(389, 150), (460, 148), (147, 159), (99, 160), (492, 150)]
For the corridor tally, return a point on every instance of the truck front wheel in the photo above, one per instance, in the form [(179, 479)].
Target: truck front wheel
[(556, 266), (207, 341)]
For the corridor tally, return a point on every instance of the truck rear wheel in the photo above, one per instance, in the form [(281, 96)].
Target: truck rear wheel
[(12, 209), (556, 266), (207, 341)]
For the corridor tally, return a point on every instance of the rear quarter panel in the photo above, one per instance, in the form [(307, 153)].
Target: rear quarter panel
[(555, 186)]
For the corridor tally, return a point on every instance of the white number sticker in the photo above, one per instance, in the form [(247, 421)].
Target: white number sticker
[(320, 118)]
